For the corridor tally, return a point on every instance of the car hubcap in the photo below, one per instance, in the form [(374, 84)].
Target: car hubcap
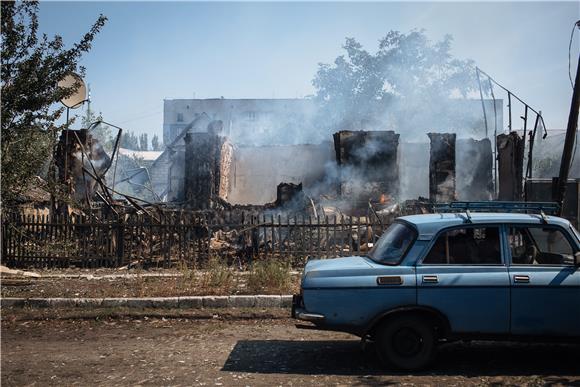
[(407, 342)]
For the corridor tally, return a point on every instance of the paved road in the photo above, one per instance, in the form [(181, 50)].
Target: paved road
[(246, 352)]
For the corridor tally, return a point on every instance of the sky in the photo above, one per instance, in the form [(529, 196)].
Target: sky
[(151, 51)]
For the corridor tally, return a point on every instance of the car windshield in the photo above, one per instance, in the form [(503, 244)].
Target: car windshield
[(393, 244)]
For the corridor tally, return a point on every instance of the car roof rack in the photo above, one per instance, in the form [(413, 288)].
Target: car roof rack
[(541, 208)]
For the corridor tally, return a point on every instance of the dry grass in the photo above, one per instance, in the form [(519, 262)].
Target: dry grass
[(216, 276), (270, 276), (213, 278)]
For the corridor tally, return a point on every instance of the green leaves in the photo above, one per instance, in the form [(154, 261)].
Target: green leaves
[(405, 74), (32, 65)]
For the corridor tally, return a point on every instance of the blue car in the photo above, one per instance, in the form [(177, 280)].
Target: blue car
[(441, 277)]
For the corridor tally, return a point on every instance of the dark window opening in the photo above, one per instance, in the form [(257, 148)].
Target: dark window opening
[(466, 246), (539, 246)]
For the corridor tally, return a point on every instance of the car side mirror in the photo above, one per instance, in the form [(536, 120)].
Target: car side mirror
[(577, 258)]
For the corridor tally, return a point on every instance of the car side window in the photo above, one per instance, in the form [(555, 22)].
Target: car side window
[(539, 246), (466, 246)]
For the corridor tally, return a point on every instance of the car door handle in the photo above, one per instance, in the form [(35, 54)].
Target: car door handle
[(390, 280), (524, 279), (430, 279)]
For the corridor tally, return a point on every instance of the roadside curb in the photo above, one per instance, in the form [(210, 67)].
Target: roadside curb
[(190, 302)]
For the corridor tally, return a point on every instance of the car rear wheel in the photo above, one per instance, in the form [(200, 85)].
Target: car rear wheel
[(406, 342)]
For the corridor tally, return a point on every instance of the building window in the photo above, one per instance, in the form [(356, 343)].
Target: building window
[(252, 116), (179, 117)]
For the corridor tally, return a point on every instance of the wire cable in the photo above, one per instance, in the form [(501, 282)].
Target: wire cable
[(577, 24), (575, 147)]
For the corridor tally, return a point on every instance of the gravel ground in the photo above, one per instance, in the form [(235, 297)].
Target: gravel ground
[(241, 348)]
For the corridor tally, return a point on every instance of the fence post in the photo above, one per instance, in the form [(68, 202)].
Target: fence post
[(120, 240)]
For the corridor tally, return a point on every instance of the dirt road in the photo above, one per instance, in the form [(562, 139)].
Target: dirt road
[(213, 350)]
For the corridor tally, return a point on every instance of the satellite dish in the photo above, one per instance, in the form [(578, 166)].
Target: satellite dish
[(79, 96)]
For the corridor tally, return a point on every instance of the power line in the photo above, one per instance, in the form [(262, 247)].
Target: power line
[(140, 117), (577, 24)]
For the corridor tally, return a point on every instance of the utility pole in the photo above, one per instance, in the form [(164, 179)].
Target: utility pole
[(569, 142)]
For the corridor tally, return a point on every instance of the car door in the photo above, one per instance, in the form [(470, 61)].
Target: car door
[(464, 276), (545, 283)]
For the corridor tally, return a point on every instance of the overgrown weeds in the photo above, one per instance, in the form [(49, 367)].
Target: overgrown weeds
[(216, 276), (270, 276)]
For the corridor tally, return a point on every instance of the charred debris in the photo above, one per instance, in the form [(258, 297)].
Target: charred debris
[(362, 177)]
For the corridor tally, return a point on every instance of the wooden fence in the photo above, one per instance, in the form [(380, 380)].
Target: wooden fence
[(181, 237)]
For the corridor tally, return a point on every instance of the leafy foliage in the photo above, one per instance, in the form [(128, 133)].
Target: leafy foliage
[(155, 144), (129, 140), (407, 75), (143, 142), (32, 65)]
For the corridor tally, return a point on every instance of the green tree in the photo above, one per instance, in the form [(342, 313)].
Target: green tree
[(32, 65), (143, 142), (408, 75), (155, 144), (129, 140)]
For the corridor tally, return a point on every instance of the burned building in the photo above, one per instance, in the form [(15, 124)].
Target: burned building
[(207, 161), (510, 156), (273, 141), (257, 170), (168, 171), (442, 167), (413, 170), (474, 169), (367, 165), (202, 162), (78, 157), (199, 164)]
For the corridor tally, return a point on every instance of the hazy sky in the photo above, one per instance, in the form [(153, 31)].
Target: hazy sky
[(149, 51)]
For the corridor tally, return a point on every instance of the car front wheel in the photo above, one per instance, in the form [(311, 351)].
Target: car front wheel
[(406, 342)]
